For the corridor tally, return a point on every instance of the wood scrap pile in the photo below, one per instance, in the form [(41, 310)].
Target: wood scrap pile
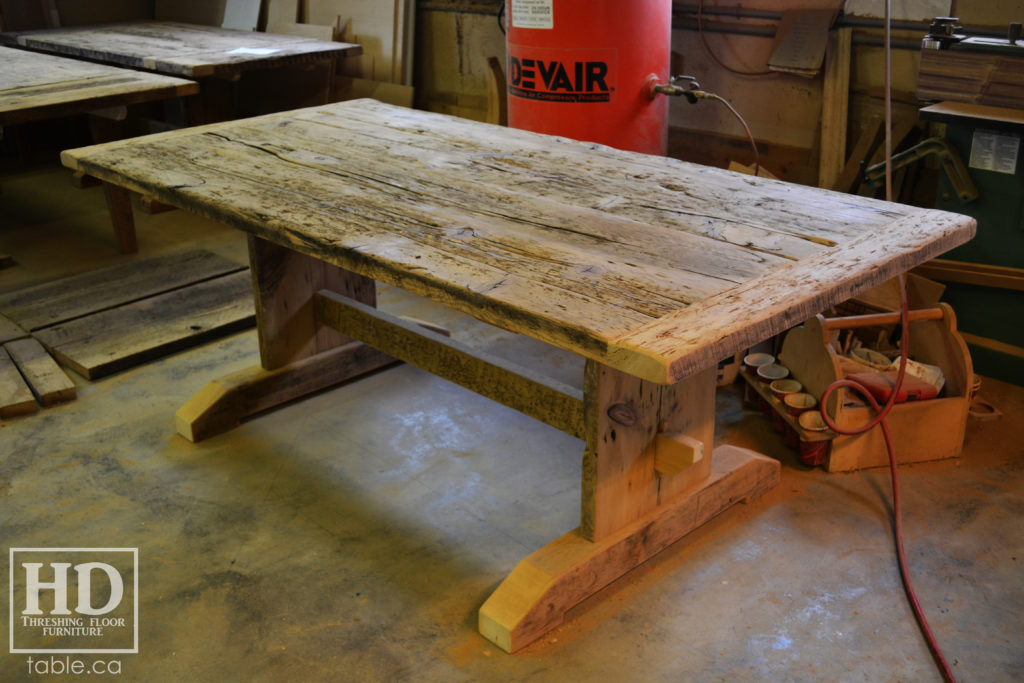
[(29, 378), (107, 320)]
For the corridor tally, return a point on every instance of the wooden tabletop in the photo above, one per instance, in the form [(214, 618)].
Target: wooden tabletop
[(34, 86), (653, 266), (176, 49)]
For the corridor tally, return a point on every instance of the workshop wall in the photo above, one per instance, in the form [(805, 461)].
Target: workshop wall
[(454, 40)]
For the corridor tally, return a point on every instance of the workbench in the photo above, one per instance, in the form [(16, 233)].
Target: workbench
[(650, 268), (215, 56), (36, 87)]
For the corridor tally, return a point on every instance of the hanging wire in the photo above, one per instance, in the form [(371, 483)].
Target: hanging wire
[(711, 53)]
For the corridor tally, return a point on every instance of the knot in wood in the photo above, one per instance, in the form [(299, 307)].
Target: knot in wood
[(623, 414)]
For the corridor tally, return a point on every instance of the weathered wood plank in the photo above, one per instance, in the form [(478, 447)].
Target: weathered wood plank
[(98, 290), (48, 382), (15, 396), (583, 246), (479, 190), (36, 86), (508, 383), (122, 337), (835, 107), (178, 49), (490, 293), (10, 330)]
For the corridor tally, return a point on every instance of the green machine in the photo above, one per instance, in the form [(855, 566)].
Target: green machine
[(980, 82)]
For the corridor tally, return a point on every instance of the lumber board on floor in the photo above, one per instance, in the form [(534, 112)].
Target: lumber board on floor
[(10, 330), (135, 333), (60, 301), (15, 396), (47, 381)]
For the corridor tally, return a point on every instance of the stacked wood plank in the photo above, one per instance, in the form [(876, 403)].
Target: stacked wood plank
[(976, 77), (114, 318)]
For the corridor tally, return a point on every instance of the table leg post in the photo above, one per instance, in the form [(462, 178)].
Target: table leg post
[(298, 354), (331, 67), (284, 283), (631, 511), (119, 204)]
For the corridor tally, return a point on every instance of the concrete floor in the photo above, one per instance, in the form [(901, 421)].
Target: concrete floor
[(353, 535)]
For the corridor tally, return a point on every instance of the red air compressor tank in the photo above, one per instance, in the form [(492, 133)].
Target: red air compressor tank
[(583, 68)]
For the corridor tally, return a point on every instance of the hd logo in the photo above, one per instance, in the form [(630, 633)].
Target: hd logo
[(560, 77)]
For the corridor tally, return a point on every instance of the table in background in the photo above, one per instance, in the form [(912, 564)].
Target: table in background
[(216, 56), (35, 87), (651, 269)]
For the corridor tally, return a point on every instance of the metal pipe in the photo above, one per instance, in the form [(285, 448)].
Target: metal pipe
[(462, 8), (763, 32), (738, 12), (842, 21), (735, 29)]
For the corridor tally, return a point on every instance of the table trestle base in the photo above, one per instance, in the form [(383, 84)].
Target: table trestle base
[(535, 597)]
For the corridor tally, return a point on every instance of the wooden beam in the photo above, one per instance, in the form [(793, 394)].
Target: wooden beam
[(623, 416), (223, 403), (534, 598), (542, 398), (993, 345), (869, 140), (675, 453), (983, 275), (497, 93), (284, 283), (835, 104)]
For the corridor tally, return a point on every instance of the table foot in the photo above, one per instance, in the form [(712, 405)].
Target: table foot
[(223, 403), (534, 598)]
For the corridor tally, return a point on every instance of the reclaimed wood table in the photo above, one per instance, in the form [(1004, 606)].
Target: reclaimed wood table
[(35, 87), (650, 268), (216, 56)]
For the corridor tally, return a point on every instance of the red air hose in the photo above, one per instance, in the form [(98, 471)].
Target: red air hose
[(879, 419)]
